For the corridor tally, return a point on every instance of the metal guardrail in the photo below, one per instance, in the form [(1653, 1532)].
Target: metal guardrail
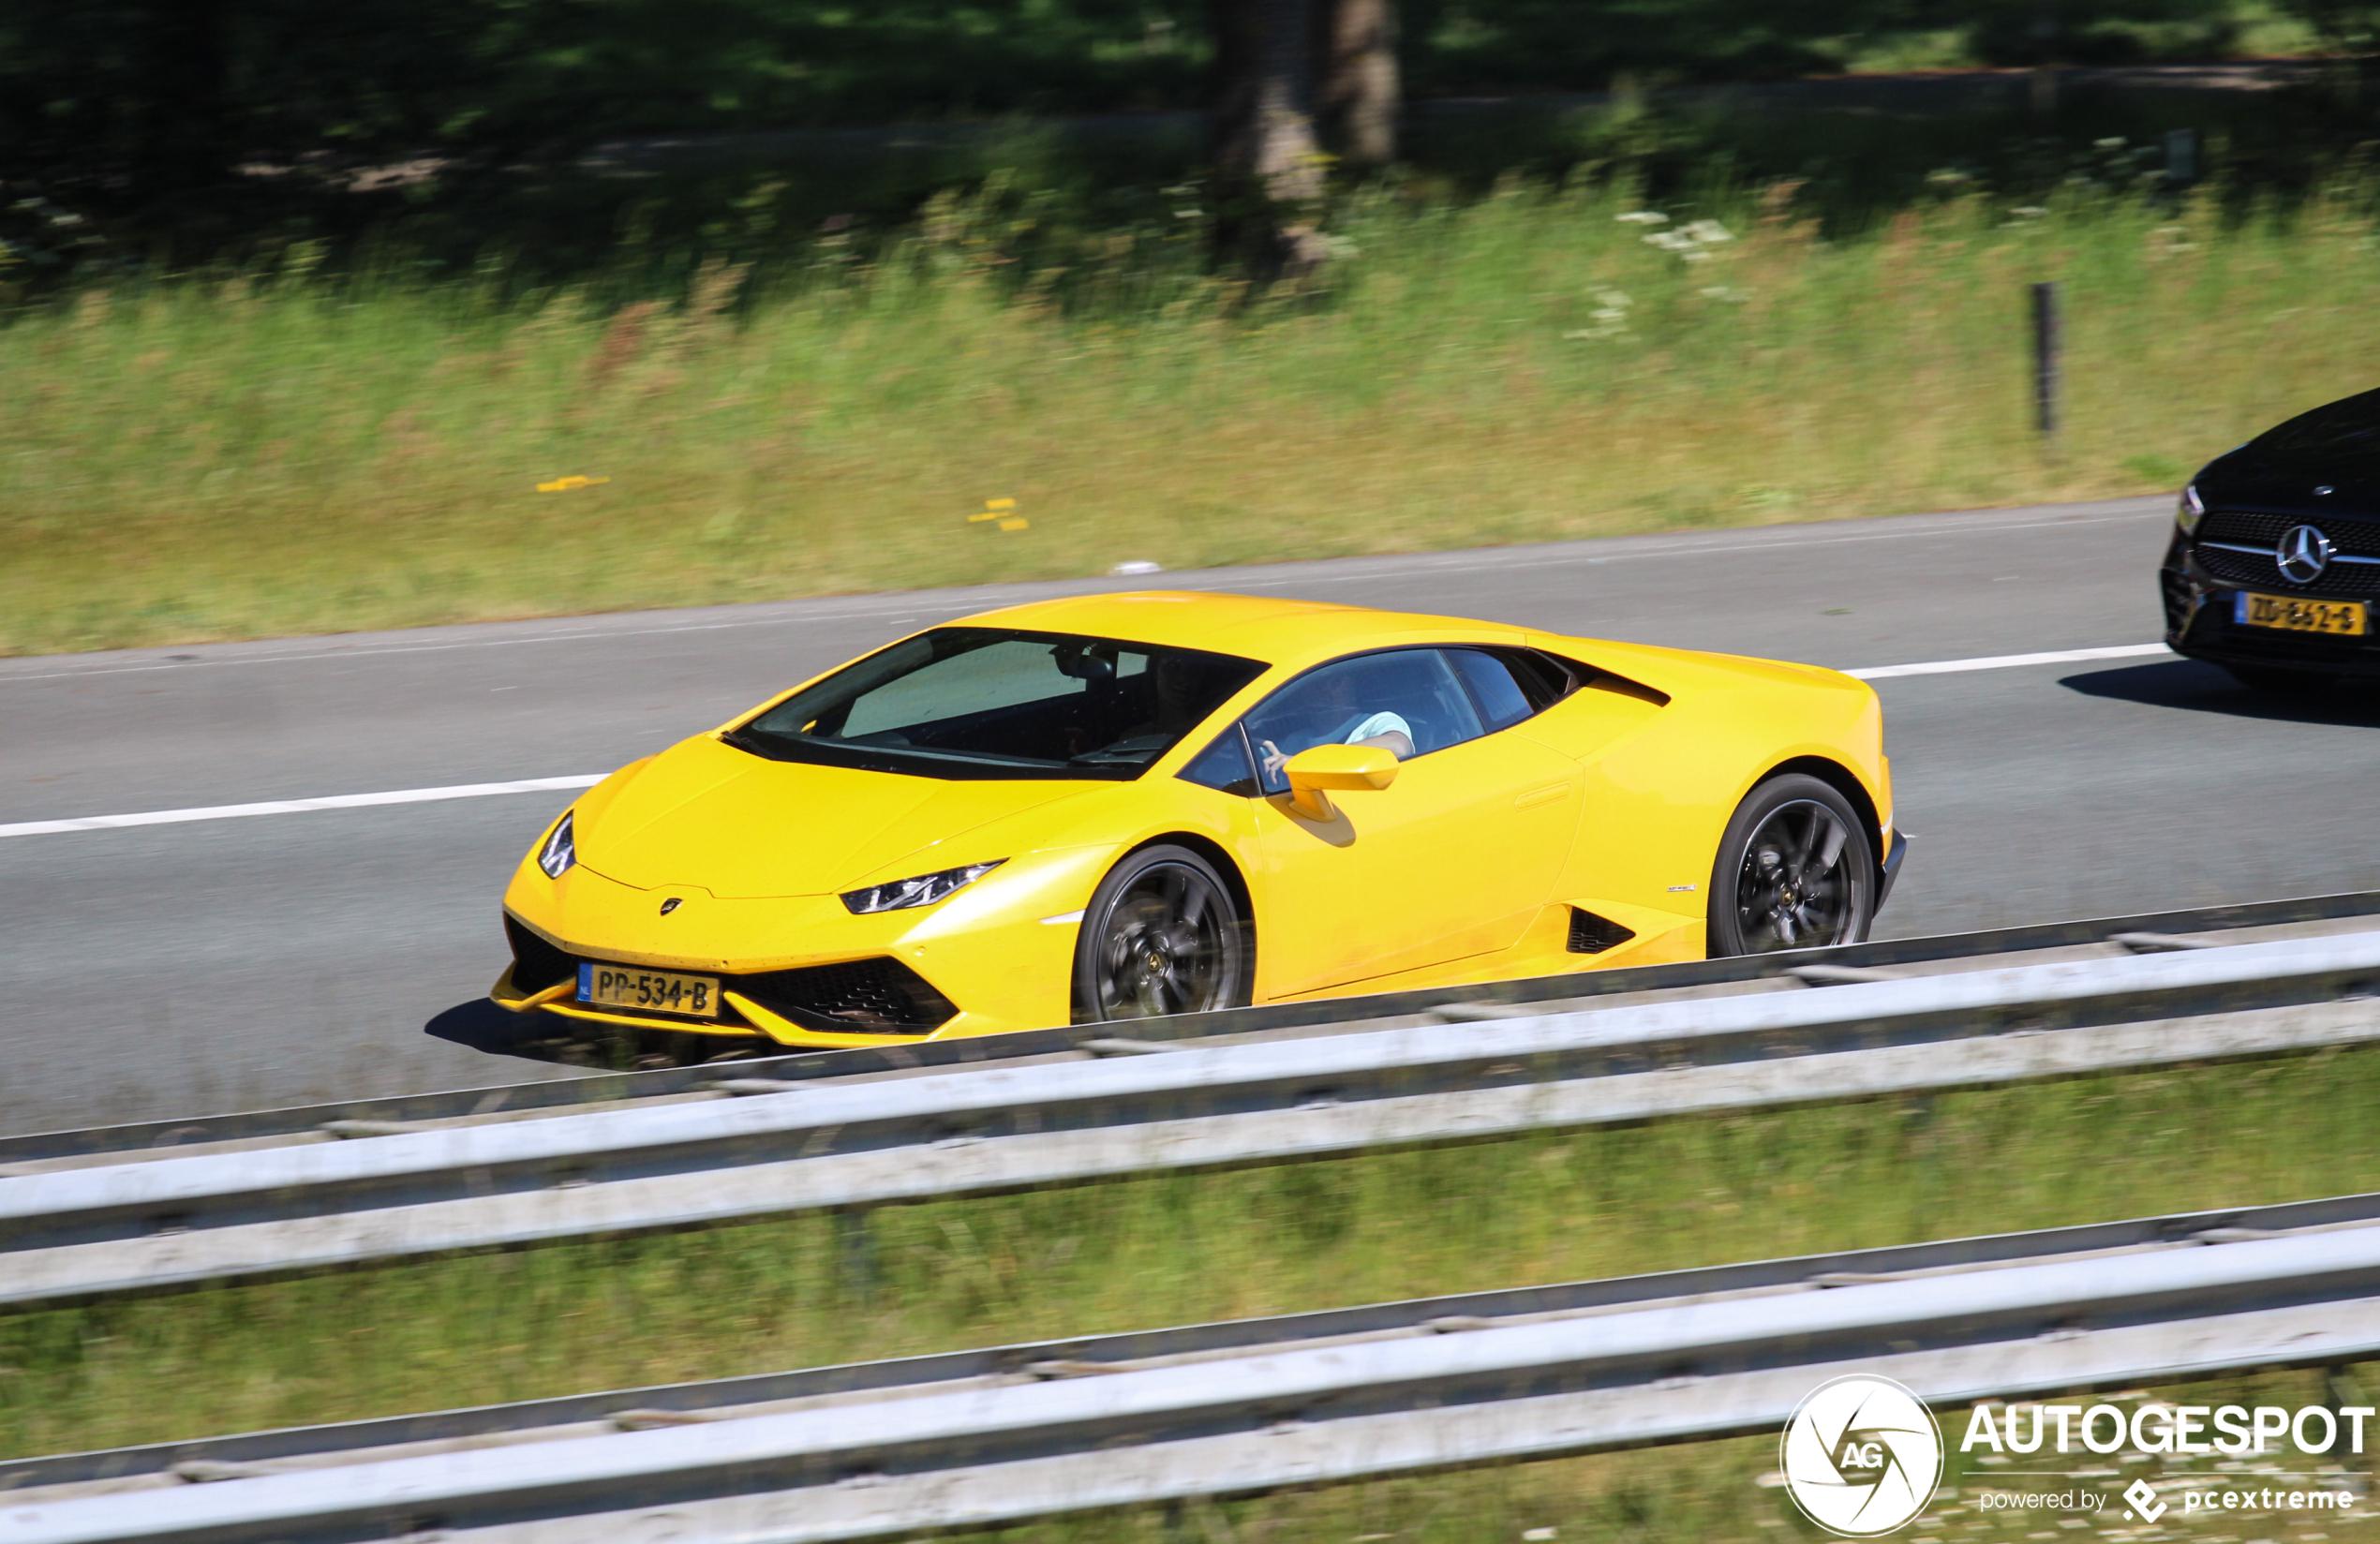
[(680, 1082), (1023, 1431), (1080, 1356), (173, 1221)]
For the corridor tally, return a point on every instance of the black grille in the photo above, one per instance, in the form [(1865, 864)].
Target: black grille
[(867, 996), (1591, 934), (2255, 528), (536, 964)]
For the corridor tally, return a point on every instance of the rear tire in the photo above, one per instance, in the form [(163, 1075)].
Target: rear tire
[(1795, 870), (1161, 936)]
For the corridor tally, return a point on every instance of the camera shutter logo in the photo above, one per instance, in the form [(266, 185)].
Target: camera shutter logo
[(1862, 1456)]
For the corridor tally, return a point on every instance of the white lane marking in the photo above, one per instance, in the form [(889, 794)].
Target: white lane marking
[(441, 649), (2006, 662), (541, 785), (296, 807), (921, 603)]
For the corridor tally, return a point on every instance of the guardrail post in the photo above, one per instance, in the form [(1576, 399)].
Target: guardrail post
[(855, 1250), (2343, 1392), (2047, 347)]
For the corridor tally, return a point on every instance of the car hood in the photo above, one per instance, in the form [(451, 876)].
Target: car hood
[(706, 815), (2335, 446)]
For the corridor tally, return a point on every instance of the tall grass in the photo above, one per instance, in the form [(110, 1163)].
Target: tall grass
[(280, 452)]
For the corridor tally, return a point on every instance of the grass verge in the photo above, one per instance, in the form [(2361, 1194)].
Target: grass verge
[(282, 453), (1181, 1249)]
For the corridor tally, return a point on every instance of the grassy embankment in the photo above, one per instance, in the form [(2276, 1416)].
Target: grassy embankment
[(1181, 1249), (277, 454)]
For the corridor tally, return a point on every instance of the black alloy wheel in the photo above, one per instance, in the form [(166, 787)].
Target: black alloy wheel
[(1160, 936), (1795, 870)]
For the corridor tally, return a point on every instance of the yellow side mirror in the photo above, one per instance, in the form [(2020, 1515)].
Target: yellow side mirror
[(1313, 773)]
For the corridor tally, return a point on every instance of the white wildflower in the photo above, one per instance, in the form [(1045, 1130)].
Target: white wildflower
[(1643, 216), (1610, 316), (1709, 233)]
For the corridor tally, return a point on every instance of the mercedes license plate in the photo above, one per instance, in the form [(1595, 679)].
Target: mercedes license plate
[(655, 991), (2296, 614)]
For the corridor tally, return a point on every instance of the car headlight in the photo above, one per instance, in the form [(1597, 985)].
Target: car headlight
[(2191, 509), (924, 890), (561, 847)]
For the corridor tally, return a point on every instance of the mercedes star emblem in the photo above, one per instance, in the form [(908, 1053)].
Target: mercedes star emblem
[(2304, 553), (673, 903)]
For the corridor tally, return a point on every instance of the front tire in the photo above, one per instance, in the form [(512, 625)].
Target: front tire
[(1795, 870), (1161, 936)]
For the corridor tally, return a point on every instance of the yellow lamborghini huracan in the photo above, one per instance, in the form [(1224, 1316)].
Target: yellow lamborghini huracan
[(1132, 805)]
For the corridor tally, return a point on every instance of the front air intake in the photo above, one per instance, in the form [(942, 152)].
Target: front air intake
[(1591, 934), (867, 996), (536, 964)]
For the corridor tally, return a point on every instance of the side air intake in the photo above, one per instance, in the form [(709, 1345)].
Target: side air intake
[(1591, 934)]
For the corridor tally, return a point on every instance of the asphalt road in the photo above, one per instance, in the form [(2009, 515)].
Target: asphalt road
[(187, 968)]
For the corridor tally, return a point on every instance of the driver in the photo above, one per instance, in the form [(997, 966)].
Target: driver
[(1387, 730)]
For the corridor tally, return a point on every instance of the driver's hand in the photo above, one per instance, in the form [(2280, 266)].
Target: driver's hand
[(1273, 759)]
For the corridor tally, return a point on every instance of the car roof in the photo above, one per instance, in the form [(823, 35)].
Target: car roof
[(1277, 631)]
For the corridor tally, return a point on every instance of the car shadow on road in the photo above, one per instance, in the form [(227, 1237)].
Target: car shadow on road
[(2196, 687), (482, 1026)]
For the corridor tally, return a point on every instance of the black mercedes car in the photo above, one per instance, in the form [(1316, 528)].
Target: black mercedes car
[(2273, 571)]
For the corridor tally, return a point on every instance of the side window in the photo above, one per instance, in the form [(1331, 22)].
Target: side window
[(1502, 703), (1224, 765), (1546, 677), (1412, 692), (1513, 684)]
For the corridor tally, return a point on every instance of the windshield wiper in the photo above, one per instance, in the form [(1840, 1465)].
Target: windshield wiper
[(748, 741)]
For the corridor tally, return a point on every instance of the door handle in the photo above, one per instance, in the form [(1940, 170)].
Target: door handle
[(1547, 794)]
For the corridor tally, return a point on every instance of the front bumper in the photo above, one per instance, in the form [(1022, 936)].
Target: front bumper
[(1895, 852), (2198, 624), (875, 1001), (803, 971)]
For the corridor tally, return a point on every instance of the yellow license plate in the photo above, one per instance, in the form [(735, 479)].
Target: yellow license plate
[(655, 991), (2296, 614)]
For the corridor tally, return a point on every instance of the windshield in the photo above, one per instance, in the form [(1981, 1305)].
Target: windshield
[(993, 703)]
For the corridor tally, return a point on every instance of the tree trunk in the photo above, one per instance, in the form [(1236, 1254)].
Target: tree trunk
[(1356, 92), (186, 90), (1268, 173)]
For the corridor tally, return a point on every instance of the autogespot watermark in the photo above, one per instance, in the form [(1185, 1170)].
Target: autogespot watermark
[(1862, 1457)]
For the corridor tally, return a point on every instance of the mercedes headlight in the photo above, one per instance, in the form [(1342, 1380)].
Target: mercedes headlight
[(561, 847), (924, 890), (2191, 509)]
